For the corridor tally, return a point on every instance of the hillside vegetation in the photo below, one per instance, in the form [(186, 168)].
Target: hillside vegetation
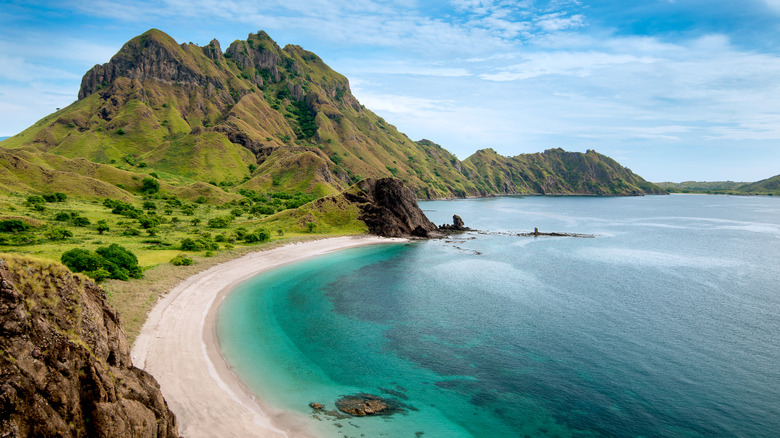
[(769, 186), (264, 118)]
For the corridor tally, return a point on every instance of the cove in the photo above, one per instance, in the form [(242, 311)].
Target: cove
[(663, 324)]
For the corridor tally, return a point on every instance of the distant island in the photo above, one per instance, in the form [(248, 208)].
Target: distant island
[(769, 187)]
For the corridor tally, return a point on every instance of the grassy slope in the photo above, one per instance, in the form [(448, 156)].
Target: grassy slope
[(769, 186), (305, 130), (554, 172)]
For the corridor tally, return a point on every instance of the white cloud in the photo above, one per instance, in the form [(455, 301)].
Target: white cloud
[(563, 63), (773, 4)]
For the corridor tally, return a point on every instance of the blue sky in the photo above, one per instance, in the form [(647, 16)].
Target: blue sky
[(673, 89)]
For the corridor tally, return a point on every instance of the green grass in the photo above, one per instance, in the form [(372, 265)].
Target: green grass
[(134, 298)]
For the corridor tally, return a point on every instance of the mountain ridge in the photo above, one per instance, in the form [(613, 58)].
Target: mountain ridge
[(261, 117)]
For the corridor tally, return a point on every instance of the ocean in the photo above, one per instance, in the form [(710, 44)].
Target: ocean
[(665, 323)]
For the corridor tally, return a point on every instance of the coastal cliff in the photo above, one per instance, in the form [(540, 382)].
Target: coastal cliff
[(65, 362), (389, 208)]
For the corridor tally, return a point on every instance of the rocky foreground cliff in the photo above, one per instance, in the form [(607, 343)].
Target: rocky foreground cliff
[(65, 367)]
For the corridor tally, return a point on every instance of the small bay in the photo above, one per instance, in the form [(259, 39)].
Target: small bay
[(663, 324)]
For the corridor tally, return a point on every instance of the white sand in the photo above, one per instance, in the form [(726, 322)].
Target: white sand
[(178, 345)]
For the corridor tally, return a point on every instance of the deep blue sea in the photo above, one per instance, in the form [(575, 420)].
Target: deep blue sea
[(665, 324)]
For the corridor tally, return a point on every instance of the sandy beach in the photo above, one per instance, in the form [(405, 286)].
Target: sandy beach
[(178, 345)]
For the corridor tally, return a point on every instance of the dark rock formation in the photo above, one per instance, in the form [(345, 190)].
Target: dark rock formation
[(389, 208), (457, 225), (360, 405), (316, 406), (65, 362)]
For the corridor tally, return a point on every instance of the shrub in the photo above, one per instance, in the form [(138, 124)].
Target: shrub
[(13, 226), (102, 226), (149, 205), (62, 216), (130, 231), (263, 209), (150, 185), (120, 262), (111, 261), (188, 244), (35, 199), (149, 221), (310, 226), (220, 222), (59, 234), (81, 222), (80, 260), (181, 260), (260, 235)]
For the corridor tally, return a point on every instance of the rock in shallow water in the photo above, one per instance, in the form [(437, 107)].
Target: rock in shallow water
[(360, 405)]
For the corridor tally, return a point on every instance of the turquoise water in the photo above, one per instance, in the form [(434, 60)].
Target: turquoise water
[(667, 323)]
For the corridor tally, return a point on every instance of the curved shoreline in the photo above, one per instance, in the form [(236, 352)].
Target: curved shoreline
[(178, 345)]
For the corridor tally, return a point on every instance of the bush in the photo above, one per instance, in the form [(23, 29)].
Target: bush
[(59, 234), (80, 260), (34, 199), (102, 226), (81, 222), (112, 261), (220, 222), (122, 208), (188, 244), (263, 209), (120, 262), (13, 226), (62, 216), (150, 185), (55, 197), (149, 205), (149, 221), (260, 235), (181, 260), (130, 231)]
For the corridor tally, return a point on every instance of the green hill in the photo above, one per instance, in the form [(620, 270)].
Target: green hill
[(769, 186), (261, 117)]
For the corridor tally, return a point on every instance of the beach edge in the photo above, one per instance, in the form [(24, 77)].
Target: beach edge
[(178, 345)]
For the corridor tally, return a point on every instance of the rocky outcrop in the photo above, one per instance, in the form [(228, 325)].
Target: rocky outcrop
[(389, 208), (457, 225), (65, 363), (153, 55), (361, 405)]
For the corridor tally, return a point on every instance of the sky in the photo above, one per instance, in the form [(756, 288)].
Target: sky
[(676, 90)]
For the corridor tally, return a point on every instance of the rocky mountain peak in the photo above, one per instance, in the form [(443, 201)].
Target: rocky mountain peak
[(152, 55)]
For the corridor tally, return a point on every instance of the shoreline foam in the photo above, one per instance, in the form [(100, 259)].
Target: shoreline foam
[(178, 345)]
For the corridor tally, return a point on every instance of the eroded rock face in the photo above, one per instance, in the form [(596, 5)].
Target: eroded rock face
[(389, 208), (65, 367)]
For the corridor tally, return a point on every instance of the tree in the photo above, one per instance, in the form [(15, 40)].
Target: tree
[(80, 260), (13, 226), (181, 260), (150, 186), (102, 226), (81, 221), (59, 234), (120, 262), (220, 222)]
